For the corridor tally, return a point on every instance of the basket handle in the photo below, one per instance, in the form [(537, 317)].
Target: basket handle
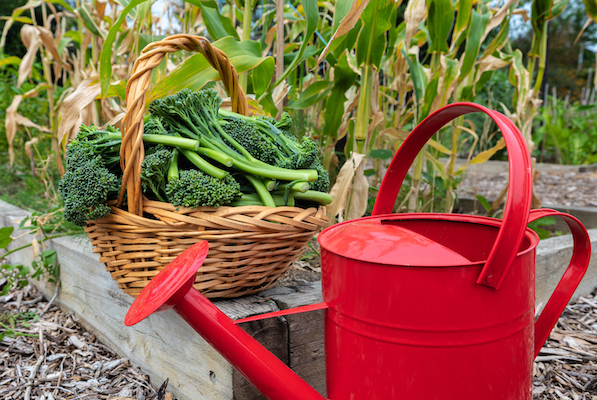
[(518, 202), (131, 150)]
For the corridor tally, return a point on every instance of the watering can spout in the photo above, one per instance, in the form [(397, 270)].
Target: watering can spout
[(173, 288)]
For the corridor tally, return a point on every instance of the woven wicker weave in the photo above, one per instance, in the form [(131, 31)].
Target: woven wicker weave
[(250, 247)]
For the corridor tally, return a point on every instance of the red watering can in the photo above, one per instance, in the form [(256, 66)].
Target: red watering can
[(418, 306)]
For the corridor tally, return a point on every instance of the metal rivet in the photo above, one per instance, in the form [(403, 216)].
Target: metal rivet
[(489, 279), (212, 376)]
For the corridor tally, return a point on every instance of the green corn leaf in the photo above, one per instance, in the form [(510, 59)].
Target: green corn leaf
[(195, 71), (591, 9), (439, 24), (465, 8), (344, 78), (89, 22), (381, 154), (312, 17), (372, 40), (500, 40), (417, 75), (12, 60), (262, 76), (313, 94), (106, 56), (451, 72), (62, 3), (218, 25), (473, 42), (430, 95)]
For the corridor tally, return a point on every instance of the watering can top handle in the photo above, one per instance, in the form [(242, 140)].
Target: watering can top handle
[(518, 202)]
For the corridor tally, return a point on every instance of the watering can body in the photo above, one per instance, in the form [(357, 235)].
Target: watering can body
[(417, 306), (428, 332)]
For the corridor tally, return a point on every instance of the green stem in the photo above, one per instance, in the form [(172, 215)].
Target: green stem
[(542, 57), (173, 168), (204, 165), (27, 245), (295, 187), (261, 190), (312, 195), (215, 155)]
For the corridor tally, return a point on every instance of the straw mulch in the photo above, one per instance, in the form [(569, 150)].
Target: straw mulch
[(45, 354)]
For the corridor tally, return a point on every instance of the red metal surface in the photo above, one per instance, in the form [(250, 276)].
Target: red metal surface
[(519, 189), (403, 332), (172, 287)]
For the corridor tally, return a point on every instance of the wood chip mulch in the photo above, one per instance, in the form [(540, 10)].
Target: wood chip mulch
[(45, 354), (566, 367)]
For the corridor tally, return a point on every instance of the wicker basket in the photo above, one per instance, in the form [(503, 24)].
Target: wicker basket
[(250, 247)]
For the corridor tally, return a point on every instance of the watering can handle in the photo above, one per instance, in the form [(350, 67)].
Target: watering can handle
[(570, 280), (518, 202)]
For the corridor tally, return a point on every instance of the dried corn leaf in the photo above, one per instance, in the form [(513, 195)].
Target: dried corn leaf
[(31, 38), (72, 111)]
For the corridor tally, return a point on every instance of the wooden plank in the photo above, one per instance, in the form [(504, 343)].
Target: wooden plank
[(271, 333)]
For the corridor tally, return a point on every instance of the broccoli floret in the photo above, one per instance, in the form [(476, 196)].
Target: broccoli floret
[(291, 153), (194, 188), (246, 134), (322, 184), (196, 115), (85, 189), (154, 171), (285, 123)]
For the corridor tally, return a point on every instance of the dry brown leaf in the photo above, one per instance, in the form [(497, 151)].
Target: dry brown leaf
[(73, 111), (343, 188), (10, 124), (345, 26), (360, 193), (414, 14), (31, 39), (499, 16)]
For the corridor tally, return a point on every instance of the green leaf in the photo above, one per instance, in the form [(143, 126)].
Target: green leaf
[(381, 154), (484, 202), (311, 95), (195, 71), (63, 43), (591, 9), (372, 39), (430, 95), (10, 60), (6, 232), (344, 78), (106, 56), (262, 76), (62, 3), (473, 42), (89, 21), (417, 74), (439, 24), (465, 7), (218, 25), (5, 238), (312, 17)]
